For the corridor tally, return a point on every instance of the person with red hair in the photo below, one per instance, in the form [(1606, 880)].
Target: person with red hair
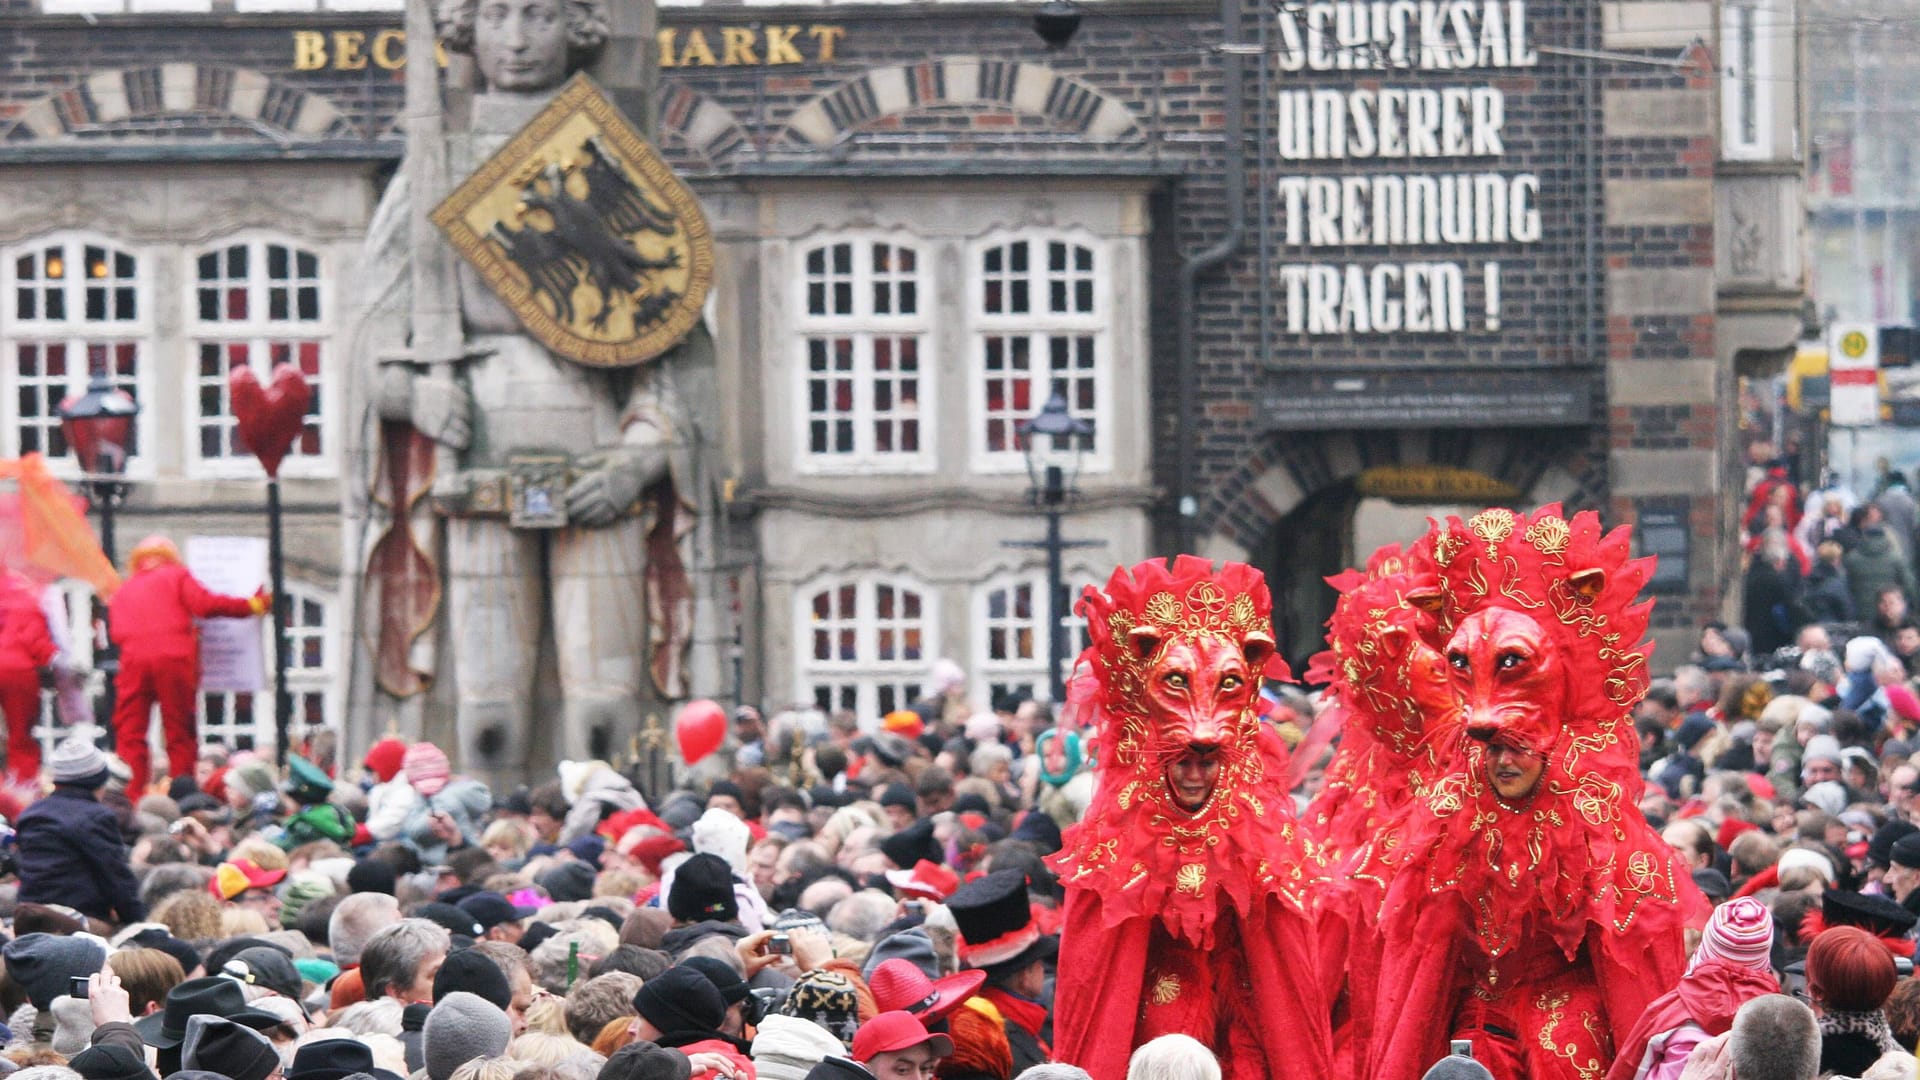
[(1850, 975), (25, 648), (152, 620)]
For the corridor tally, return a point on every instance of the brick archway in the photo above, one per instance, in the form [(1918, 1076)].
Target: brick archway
[(1544, 466), (999, 86), (222, 96)]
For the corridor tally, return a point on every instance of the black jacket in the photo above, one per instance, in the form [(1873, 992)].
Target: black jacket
[(69, 851), (837, 1068)]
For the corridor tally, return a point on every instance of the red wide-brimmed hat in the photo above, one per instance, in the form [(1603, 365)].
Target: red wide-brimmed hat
[(898, 985)]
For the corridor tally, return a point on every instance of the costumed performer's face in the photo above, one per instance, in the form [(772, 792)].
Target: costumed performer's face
[(520, 46), (1191, 777), (1512, 771)]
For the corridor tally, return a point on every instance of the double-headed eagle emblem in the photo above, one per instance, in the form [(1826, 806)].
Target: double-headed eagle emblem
[(586, 234)]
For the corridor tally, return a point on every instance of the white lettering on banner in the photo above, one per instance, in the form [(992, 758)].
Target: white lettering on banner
[(1431, 35), (1373, 122)]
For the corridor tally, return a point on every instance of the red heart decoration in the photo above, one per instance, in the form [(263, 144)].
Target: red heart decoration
[(271, 417)]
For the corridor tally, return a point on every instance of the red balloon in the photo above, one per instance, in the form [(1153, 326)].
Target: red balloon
[(701, 727)]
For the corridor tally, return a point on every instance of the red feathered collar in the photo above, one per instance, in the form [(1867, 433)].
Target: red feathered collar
[(1814, 923)]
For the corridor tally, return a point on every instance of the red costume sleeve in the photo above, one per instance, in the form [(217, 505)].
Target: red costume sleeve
[(24, 640), (204, 603), (1096, 996)]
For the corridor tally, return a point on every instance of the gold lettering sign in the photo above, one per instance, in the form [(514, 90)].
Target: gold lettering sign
[(1428, 483), (722, 46), (581, 229)]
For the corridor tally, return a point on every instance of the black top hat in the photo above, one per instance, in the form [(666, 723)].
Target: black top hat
[(995, 918), (913, 843), (214, 995)]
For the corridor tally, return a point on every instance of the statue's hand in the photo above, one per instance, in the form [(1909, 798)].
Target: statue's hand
[(612, 481), (443, 412)]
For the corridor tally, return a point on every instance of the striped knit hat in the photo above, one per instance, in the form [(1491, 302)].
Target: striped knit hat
[(427, 768), (1740, 932)]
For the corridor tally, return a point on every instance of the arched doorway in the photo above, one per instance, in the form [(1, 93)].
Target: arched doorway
[(1311, 543)]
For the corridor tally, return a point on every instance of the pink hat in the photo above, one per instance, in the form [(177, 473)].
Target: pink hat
[(1740, 932), (1902, 701), (427, 768)]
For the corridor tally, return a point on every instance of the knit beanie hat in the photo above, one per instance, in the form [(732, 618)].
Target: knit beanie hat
[(385, 758), (372, 875), (571, 880), (303, 888), (462, 1027), (787, 1047), (427, 769), (643, 1060), (723, 834), (474, 973), (110, 1061), (1740, 932), (680, 1002), (72, 1024), (42, 964), (78, 763), (219, 1045), (703, 889), (827, 998)]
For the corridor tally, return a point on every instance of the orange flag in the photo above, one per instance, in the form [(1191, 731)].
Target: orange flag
[(43, 529)]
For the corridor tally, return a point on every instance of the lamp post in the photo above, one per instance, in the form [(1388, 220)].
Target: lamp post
[(98, 425), (1055, 440)]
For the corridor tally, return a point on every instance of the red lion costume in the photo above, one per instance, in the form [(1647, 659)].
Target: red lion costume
[(1539, 923), (1391, 696), (1188, 882)]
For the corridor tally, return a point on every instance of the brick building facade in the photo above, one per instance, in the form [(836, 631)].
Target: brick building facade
[(1588, 214)]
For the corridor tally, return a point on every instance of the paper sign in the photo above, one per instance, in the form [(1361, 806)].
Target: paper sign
[(232, 651)]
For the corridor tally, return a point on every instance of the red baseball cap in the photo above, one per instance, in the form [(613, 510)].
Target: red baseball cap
[(892, 1031), (236, 877)]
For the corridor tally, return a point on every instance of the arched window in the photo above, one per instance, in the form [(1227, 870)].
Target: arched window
[(1010, 618), (864, 366), (866, 644), (74, 305), (259, 302), (1039, 318)]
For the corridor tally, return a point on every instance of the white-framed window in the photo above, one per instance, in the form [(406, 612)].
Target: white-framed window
[(864, 363), (1747, 37), (866, 643), (262, 302), (73, 304), (1039, 319), (245, 721), (1010, 616)]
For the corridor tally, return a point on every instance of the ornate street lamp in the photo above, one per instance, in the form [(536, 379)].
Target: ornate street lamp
[(98, 425), (1055, 441)]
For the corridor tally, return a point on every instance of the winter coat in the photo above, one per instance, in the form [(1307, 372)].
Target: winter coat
[(466, 801), (1825, 597), (69, 851), (1874, 564), (1772, 606), (153, 613)]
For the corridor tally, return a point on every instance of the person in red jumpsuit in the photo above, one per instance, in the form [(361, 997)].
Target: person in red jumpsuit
[(152, 620), (25, 648)]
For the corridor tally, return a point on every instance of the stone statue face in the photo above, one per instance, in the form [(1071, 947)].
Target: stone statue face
[(520, 46)]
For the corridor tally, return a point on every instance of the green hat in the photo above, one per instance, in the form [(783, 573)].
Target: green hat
[(306, 782), (317, 971), (302, 890)]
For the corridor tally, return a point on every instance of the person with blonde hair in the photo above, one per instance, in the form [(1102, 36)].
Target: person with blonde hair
[(190, 916)]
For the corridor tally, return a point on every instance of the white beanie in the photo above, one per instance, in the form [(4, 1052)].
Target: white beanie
[(1813, 860), (787, 1047), (721, 833)]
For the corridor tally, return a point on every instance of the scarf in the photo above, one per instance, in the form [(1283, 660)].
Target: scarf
[(1867, 1025), (1031, 1016)]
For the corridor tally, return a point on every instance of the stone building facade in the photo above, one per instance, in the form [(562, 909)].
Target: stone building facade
[(1519, 260)]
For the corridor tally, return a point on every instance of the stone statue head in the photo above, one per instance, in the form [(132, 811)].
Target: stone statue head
[(524, 46)]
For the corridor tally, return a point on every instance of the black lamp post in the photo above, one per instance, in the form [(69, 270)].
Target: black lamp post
[(1055, 440), (98, 425)]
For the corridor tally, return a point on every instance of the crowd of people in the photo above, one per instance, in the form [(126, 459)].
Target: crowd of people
[(824, 897)]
